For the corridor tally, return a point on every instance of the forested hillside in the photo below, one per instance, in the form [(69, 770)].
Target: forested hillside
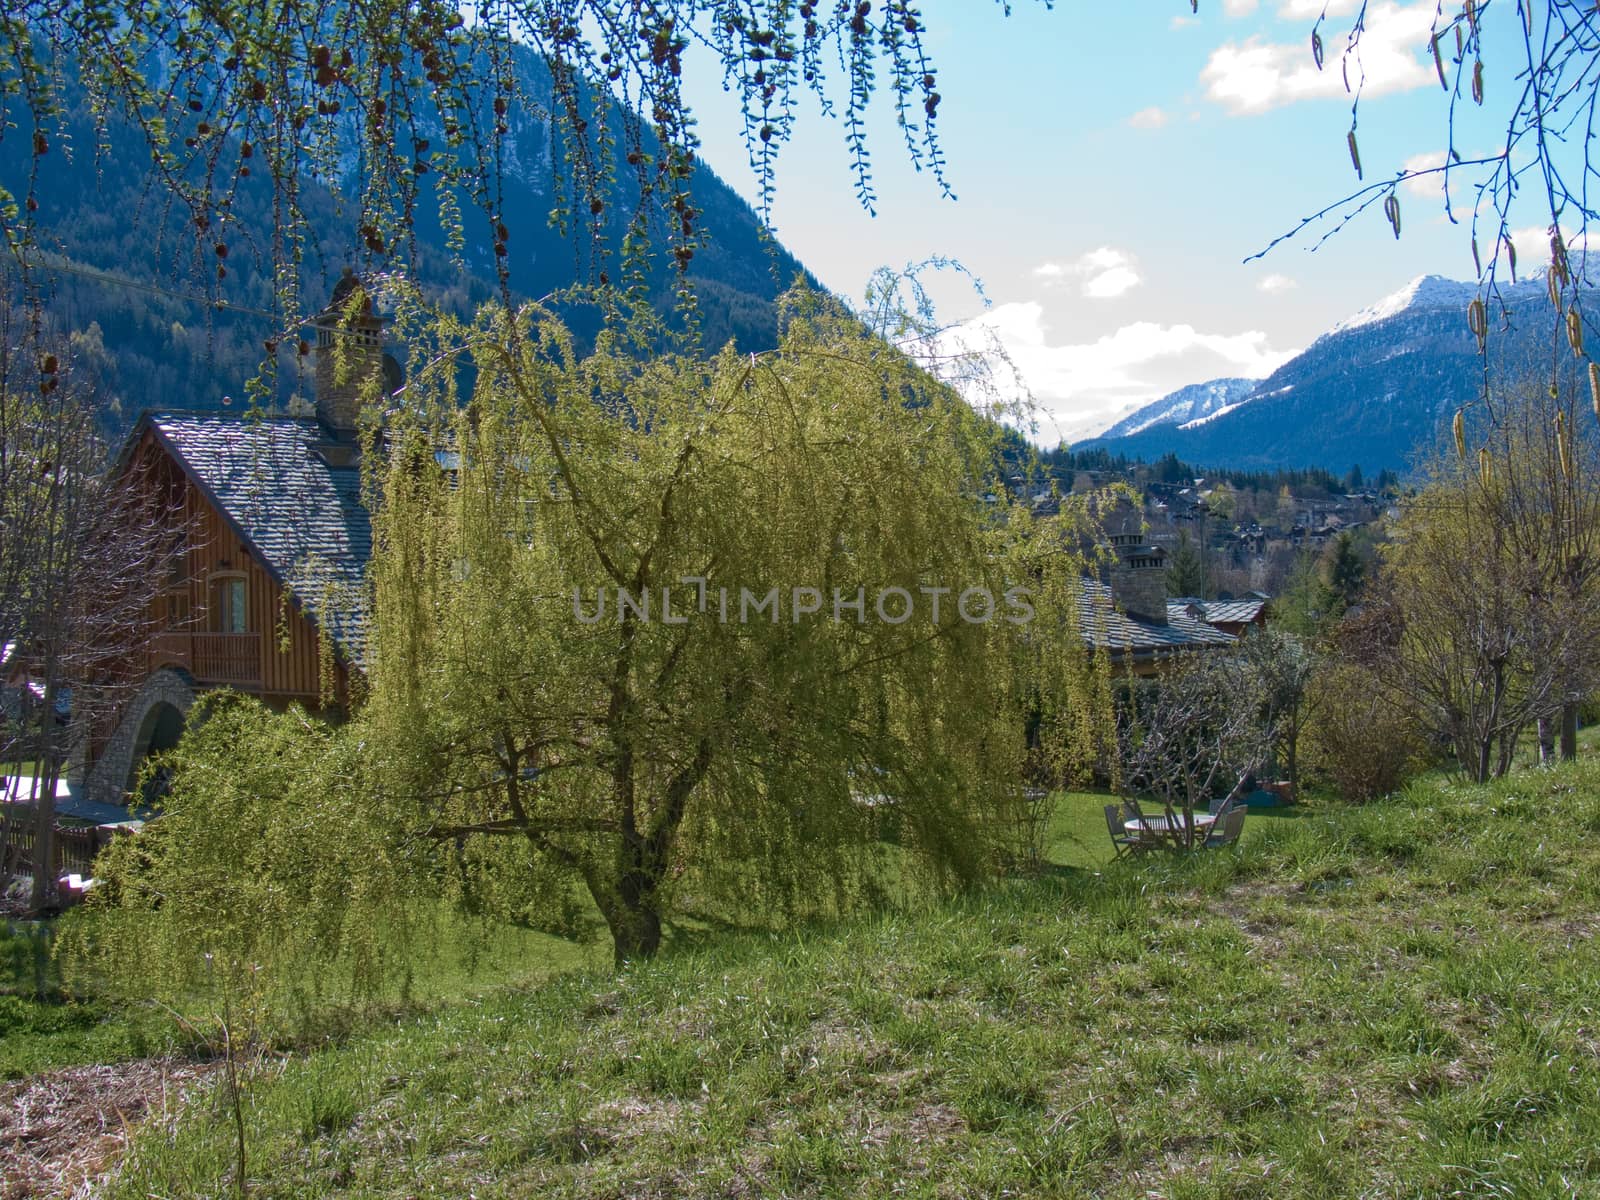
[(121, 269)]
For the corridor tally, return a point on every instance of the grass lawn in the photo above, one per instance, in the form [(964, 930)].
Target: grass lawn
[(41, 1027), (1397, 1000), (1077, 838)]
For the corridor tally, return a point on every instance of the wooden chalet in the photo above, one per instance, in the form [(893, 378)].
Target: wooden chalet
[(267, 594)]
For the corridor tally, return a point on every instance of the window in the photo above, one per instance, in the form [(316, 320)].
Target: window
[(178, 569), (177, 604), (228, 604)]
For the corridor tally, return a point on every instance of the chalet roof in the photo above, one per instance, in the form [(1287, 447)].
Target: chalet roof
[(301, 514), (1223, 612), (1103, 625), (1231, 611)]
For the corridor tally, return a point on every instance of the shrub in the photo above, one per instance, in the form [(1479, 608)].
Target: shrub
[(1362, 739), (267, 870)]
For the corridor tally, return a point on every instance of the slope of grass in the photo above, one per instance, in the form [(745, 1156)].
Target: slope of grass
[(1397, 1001), (44, 1025)]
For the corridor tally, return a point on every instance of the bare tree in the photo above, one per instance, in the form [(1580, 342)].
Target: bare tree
[(82, 550), (1184, 734), (1541, 478), (1276, 669), (1490, 618)]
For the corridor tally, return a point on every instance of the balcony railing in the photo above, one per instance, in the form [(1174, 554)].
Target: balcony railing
[(227, 658)]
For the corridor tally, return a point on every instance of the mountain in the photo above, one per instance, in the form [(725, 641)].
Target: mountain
[(1193, 403), (126, 279), (1378, 389)]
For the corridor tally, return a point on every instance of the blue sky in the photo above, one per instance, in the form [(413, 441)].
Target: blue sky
[(1115, 164)]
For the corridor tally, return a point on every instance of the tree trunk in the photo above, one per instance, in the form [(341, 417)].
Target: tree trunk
[(1547, 739), (1569, 729), (1508, 755), (635, 934), (44, 802), (1293, 763), (629, 900), (1480, 765)]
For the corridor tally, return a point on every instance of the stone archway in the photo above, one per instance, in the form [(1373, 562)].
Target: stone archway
[(160, 730), (152, 721)]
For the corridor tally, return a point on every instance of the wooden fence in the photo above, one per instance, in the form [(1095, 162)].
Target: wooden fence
[(74, 847)]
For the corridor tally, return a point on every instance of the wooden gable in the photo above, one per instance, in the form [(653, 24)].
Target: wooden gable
[(221, 614)]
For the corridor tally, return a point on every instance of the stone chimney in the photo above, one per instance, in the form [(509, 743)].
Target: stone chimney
[(349, 355), (1139, 576)]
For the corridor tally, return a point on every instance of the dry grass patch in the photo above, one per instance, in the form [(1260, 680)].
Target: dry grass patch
[(62, 1131)]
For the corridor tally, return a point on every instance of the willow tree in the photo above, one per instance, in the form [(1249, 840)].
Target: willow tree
[(693, 631)]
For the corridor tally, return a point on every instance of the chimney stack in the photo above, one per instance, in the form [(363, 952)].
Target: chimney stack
[(1139, 576), (349, 355)]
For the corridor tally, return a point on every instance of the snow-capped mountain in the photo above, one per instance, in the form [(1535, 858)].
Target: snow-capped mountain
[(1425, 291), (1377, 389), (1186, 405)]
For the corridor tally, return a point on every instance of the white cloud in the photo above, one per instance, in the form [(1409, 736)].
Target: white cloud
[(1104, 273), (1183, 21), (1074, 383), (1255, 76), (1533, 247), (1430, 187), (1148, 118), (1107, 273), (1310, 10), (1276, 283), (1111, 283), (1238, 8), (1101, 258)]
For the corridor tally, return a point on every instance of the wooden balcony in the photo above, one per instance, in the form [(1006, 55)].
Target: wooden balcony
[(233, 659)]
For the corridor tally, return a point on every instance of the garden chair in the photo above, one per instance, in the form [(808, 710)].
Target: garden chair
[(1219, 808), (1121, 839), (1148, 835), (1227, 830)]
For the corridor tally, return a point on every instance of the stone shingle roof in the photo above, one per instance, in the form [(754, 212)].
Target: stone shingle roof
[(1103, 625), (1222, 612), (302, 515), (1229, 611)]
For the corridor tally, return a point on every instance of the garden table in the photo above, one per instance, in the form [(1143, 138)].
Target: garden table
[(1158, 823)]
